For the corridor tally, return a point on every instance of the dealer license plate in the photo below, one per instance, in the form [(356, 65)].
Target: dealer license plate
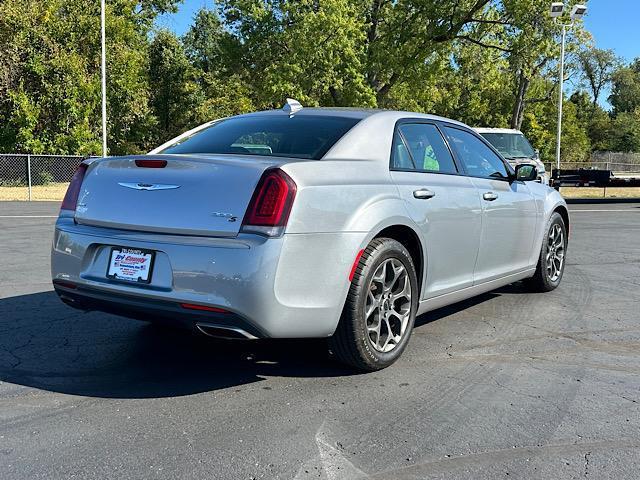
[(130, 264)]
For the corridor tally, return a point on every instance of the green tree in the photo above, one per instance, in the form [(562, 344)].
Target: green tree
[(217, 58), (625, 132), (174, 92), (594, 120), (306, 49), (405, 39), (539, 125), (625, 90), (50, 81), (344, 52), (597, 69), (210, 47), (532, 40), (485, 62), (474, 87)]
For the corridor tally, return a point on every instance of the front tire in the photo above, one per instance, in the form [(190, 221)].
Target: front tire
[(551, 262), (380, 309)]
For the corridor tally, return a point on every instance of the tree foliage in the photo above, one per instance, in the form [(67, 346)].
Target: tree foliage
[(625, 91), (597, 68), (50, 88), (485, 62)]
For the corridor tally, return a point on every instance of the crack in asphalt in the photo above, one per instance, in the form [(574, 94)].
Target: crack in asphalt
[(12, 351), (446, 465)]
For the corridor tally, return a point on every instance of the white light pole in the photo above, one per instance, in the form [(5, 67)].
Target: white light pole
[(560, 92), (577, 12), (104, 79)]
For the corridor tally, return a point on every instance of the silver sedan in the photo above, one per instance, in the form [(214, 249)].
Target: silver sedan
[(306, 222)]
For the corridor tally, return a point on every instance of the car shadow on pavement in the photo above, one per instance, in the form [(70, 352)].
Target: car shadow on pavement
[(47, 345), (452, 309)]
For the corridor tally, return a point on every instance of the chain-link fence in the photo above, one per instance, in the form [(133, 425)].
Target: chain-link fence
[(622, 164), (46, 177), (36, 177)]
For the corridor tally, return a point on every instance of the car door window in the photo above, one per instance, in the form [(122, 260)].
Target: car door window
[(479, 160), (420, 147)]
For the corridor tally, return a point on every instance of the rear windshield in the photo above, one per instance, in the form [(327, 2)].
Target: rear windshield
[(299, 136)]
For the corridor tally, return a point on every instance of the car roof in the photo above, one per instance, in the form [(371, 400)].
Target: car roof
[(358, 113), (346, 112), (497, 130)]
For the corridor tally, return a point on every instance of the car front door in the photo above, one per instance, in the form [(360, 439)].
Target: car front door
[(509, 213), (442, 202)]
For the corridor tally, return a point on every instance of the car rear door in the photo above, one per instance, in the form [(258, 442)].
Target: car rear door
[(509, 213), (442, 202)]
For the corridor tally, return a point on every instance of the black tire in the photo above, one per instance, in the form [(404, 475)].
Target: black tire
[(351, 343), (542, 281)]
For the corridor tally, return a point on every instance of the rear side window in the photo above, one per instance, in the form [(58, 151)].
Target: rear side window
[(420, 147), (478, 159), (299, 136)]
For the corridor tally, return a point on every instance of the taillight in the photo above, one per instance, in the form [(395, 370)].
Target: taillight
[(71, 197), (270, 204)]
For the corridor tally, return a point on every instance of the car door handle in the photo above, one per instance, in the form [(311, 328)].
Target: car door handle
[(423, 194), (490, 196)]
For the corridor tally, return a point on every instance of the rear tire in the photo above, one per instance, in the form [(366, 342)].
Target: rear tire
[(552, 260), (380, 310)]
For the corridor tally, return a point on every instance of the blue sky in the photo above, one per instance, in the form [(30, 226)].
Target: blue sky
[(179, 22), (613, 23)]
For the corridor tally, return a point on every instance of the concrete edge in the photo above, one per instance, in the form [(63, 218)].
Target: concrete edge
[(601, 200)]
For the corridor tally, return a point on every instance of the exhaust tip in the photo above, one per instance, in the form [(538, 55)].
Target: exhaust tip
[(223, 332)]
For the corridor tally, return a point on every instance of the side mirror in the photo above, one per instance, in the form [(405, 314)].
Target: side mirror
[(526, 172), (537, 152)]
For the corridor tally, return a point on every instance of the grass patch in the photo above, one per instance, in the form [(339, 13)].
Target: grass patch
[(56, 191), (593, 192), (51, 191)]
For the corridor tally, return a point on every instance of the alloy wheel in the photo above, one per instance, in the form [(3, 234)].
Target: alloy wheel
[(388, 305), (555, 252)]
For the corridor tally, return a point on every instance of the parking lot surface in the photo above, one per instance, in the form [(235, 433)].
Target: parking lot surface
[(506, 385)]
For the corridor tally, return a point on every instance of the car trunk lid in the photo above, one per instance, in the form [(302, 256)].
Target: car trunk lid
[(190, 195)]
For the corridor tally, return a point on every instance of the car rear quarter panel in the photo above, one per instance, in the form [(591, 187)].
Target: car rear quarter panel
[(350, 189), (341, 196), (340, 205)]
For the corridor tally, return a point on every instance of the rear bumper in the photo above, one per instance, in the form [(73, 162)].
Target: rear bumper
[(87, 298), (288, 287)]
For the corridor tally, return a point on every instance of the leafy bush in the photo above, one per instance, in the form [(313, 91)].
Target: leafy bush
[(42, 178), (13, 182)]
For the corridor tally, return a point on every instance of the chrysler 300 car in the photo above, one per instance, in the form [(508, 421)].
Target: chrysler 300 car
[(307, 222)]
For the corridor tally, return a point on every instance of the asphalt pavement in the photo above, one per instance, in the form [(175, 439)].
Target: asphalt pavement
[(506, 385)]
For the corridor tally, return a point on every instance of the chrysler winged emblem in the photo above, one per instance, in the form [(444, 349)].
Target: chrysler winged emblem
[(148, 186)]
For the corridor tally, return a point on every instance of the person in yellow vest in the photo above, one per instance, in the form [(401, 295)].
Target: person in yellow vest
[(429, 161)]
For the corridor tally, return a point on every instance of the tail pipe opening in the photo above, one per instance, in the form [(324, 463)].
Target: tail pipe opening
[(221, 331)]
